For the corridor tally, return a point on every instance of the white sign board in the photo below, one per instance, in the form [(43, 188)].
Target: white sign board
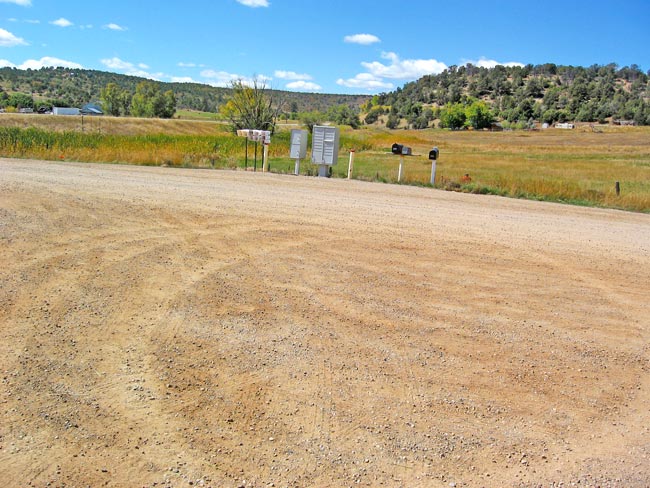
[(325, 145), (298, 144)]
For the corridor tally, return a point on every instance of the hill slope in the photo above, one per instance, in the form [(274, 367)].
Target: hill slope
[(76, 87), (547, 92)]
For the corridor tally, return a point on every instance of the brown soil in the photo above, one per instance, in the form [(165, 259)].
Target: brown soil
[(165, 327)]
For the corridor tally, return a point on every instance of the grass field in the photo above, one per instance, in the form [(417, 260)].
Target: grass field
[(574, 166), (196, 115)]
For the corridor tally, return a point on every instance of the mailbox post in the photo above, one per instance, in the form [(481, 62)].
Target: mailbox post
[(401, 151), (433, 156), (265, 158), (263, 136), (351, 164)]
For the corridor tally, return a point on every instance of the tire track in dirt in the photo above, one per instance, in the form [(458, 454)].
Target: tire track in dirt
[(169, 326)]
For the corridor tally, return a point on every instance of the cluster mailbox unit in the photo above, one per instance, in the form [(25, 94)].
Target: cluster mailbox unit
[(325, 148), (325, 151), (298, 147)]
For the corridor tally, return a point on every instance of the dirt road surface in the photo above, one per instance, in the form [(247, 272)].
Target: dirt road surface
[(167, 327)]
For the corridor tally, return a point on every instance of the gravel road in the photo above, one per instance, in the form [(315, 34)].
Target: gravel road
[(172, 327)]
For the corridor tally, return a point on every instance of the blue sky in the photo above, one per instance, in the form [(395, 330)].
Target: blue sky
[(327, 46)]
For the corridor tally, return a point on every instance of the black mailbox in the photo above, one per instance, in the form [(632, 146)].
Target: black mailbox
[(397, 148), (433, 154)]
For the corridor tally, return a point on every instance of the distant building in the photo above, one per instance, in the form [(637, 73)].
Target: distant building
[(66, 111), (91, 109), (564, 125), (496, 127)]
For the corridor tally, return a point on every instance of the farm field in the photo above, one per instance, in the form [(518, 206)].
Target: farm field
[(578, 166), (170, 327)]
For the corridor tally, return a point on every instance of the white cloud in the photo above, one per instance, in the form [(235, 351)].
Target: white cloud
[(24, 3), (363, 39), (114, 27), (407, 69), (224, 79), (7, 39), (46, 61), (254, 3), (397, 69), (490, 63), (49, 62), (27, 21), (117, 63), (219, 78), (131, 69), (190, 65), (291, 75), (62, 22), (182, 79), (365, 81), (302, 85)]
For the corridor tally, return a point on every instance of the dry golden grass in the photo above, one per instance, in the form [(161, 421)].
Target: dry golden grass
[(577, 166), (113, 125)]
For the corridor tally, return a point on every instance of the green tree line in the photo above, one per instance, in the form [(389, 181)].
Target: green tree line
[(147, 101)]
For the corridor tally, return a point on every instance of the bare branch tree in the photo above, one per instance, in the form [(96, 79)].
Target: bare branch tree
[(251, 106)]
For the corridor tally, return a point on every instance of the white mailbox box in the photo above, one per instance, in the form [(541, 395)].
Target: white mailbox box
[(298, 147), (263, 136), (298, 144), (325, 145), (255, 135)]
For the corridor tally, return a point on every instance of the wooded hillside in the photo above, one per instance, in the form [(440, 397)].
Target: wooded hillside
[(76, 87), (545, 93)]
